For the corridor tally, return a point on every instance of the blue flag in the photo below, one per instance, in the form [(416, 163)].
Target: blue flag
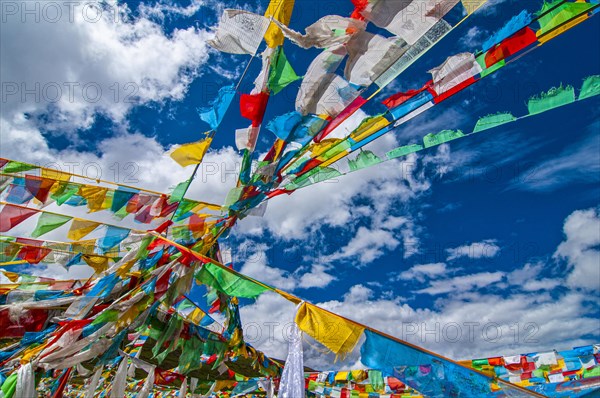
[(213, 114)]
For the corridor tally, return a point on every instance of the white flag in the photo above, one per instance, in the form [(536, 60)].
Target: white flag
[(455, 70), (370, 55), (408, 19), (239, 32), (326, 32)]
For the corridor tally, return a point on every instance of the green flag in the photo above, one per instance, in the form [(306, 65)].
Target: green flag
[(228, 282), (281, 73), (64, 192), (47, 222), (16, 167), (491, 121), (591, 87), (179, 191)]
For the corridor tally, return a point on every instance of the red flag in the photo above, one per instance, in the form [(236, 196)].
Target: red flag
[(137, 202), (144, 215), (39, 186), (33, 255), (399, 98), (510, 46), (339, 119), (359, 6), (62, 383), (252, 106), (31, 320), (3, 162), (459, 87), (11, 216)]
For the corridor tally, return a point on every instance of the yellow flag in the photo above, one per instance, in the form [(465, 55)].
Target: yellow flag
[(334, 332), (13, 276), (80, 228), (98, 263), (280, 10), (369, 126), (94, 195), (472, 5), (192, 153)]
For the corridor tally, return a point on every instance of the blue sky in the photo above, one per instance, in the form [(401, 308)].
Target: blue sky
[(501, 227)]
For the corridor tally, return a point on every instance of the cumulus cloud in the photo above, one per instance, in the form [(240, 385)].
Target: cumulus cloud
[(484, 249), (256, 266), (420, 272), (463, 283), (473, 321), (580, 249), (89, 59)]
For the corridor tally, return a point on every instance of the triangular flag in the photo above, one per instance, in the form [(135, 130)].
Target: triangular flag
[(192, 153), (48, 222), (213, 114), (39, 187), (179, 192), (12, 276), (94, 195), (80, 228), (281, 73), (120, 198), (98, 263), (11, 216), (113, 236), (17, 167)]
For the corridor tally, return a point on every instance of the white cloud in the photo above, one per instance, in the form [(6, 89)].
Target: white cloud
[(367, 245), (91, 61), (257, 267), (528, 278), (316, 278), (473, 38), (461, 327), (420, 271), (484, 249), (580, 249), (578, 163), (463, 283)]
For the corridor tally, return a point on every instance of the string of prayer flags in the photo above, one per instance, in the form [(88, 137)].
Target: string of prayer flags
[(334, 332), (213, 114), (431, 375), (192, 153)]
